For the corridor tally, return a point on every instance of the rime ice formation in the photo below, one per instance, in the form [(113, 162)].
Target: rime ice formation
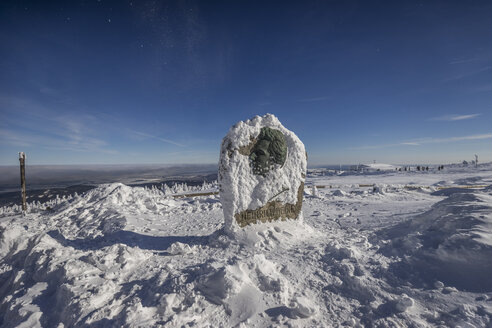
[(262, 169)]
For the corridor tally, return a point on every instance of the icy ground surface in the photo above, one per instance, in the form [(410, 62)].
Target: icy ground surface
[(383, 256)]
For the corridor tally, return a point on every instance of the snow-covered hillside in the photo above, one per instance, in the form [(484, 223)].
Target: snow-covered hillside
[(402, 253)]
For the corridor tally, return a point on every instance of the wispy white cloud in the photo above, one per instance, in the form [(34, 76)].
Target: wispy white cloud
[(30, 139), (423, 141), (313, 99), (146, 135), (381, 146), (461, 138), (27, 123), (455, 117), (463, 61), (481, 88), (468, 74), (8, 137), (31, 123)]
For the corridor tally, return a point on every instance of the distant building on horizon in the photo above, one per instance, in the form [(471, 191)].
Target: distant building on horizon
[(378, 167)]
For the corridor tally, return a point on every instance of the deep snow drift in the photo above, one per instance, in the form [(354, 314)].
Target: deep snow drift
[(402, 253)]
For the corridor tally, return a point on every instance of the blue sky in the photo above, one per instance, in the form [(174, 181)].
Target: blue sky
[(102, 82)]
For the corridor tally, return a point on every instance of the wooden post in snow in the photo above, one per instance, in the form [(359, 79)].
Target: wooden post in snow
[(22, 160)]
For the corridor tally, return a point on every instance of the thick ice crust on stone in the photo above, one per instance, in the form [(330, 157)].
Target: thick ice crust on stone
[(242, 191)]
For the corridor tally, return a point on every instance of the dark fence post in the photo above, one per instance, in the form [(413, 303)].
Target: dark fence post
[(22, 160)]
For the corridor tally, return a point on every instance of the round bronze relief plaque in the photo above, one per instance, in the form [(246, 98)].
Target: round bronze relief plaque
[(269, 149)]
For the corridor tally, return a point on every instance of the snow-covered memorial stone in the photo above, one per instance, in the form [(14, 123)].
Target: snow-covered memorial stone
[(262, 169)]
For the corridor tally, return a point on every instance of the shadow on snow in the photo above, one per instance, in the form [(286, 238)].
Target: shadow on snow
[(129, 238)]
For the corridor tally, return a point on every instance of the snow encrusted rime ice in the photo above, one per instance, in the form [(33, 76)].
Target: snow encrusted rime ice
[(240, 189)]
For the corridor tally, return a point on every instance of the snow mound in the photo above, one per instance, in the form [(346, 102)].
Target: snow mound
[(451, 243), (62, 281), (105, 210), (250, 286)]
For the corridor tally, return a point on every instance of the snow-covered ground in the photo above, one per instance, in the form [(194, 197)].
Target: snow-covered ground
[(401, 253)]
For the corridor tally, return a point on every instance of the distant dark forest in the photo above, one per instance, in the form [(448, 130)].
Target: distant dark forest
[(46, 182)]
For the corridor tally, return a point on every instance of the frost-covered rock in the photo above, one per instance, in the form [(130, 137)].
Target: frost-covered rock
[(262, 170)]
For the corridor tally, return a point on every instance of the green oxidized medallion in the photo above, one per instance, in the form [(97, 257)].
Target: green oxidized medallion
[(270, 149)]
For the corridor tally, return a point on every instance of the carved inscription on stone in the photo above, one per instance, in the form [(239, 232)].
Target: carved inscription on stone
[(271, 211)]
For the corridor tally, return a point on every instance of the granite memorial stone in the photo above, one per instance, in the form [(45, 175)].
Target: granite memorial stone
[(262, 170)]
